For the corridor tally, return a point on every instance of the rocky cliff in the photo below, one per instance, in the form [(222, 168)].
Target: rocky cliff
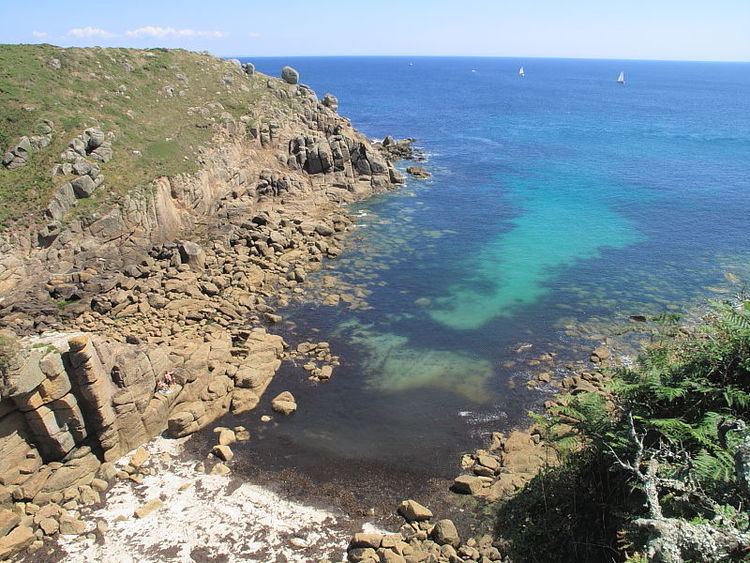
[(131, 309)]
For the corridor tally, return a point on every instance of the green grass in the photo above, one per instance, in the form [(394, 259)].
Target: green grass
[(155, 135)]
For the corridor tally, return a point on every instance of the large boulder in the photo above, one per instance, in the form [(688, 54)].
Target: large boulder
[(445, 532), (467, 485), (413, 511), (249, 68), (289, 75)]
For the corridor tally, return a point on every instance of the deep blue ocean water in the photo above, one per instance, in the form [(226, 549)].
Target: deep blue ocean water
[(556, 199)]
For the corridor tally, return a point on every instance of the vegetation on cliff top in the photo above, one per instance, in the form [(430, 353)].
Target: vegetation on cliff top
[(661, 471), (143, 97)]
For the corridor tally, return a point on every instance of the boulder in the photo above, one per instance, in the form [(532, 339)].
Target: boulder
[(224, 453), (83, 186), (413, 511), (94, 138), (601, 354), (284, 403), (49, 526), (249, 68), (220, 469), (8, 521), (140, 457), (330, 101), (70, 525), (358, 554), (289, 75), (227, 437), (18, 539), (192, 254), (244, 400), (363, 539), (445, 533), (467, 485)]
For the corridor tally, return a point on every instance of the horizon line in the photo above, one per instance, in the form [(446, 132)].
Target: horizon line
[(538, 57)]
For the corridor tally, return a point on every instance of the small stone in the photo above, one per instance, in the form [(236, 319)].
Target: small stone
[(220, 469), (148, 508), (265, 418), (299, 543)]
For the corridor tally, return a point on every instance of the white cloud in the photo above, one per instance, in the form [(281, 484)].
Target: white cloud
[(39, 34), (253, 34), (89, 31), (164, 32)]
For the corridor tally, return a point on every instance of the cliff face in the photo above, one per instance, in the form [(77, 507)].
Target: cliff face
[(144, 310)]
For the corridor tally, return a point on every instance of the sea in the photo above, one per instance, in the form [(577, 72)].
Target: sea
[(562, 206)]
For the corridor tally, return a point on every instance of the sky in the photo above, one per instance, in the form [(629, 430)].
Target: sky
[(612, 29)]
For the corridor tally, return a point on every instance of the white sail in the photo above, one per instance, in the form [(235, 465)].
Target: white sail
[(621, 78), (521, 72)]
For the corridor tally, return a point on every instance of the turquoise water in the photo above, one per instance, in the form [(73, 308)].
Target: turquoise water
[(557, 225), (556, 200)]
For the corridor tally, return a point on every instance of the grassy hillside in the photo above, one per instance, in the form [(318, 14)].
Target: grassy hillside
[(142, 96)]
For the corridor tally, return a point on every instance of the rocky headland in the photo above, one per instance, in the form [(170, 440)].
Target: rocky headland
[(141, 267)]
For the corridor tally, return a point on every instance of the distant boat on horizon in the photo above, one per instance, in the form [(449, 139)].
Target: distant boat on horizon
[(521, 72), (621, 78)]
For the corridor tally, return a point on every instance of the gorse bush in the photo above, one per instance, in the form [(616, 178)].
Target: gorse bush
[(660, 469)]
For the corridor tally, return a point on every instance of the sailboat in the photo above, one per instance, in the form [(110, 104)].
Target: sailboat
[(521, 73), (621, 78)]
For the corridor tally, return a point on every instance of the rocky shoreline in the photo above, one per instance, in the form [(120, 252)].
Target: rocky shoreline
[(154, 316)]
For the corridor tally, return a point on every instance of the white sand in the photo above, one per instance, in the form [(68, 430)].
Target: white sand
[(214, 519)]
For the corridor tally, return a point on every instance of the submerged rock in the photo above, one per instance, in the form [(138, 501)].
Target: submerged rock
[(418, 172)]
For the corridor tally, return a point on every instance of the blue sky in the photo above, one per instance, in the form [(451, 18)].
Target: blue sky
[(634, 29)]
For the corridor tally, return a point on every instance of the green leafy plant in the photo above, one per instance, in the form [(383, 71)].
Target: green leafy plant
[(673, 445)]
